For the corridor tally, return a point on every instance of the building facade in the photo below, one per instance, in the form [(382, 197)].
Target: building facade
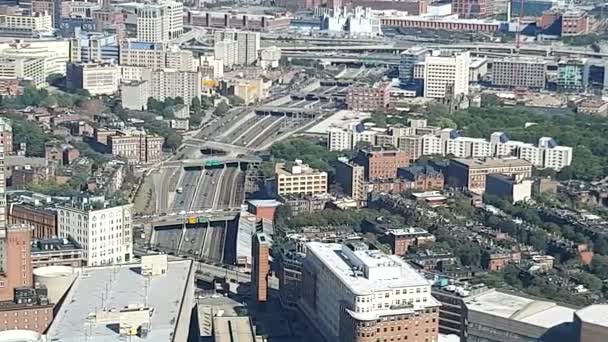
[(104, 234), (382, 163), (366, 296), (352, 179), (472, 173), (260, 267), (446, 74), (519, 72), (368, 99), (299, 179), (136, 146), (17, 264), (97, 79), (42, 220)]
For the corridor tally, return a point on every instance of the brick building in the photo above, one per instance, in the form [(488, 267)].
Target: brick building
[(472, 173), (260, 251), (17, 263), (44, 221), (422, 178), (470, 8), (136, 146), (6, 135), (402, 239), (29, 310), (382, 163), (263, 209), (368, 99)]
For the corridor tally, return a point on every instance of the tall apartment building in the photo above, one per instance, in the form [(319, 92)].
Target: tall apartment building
[(368, 99), (97, 78), (299, 178), (136, 146), (408, 59), (382, 163), (352, 179), (16, 262), (471, 173), (160, 22), (260, 268), (464, 147), (366, 295), (155, 56), (226, 50), (135, 94), (547, 154), (6, 136), (3, 151), (519, 72), (173, 83), (248, 44), (446, 74), (105, 235)]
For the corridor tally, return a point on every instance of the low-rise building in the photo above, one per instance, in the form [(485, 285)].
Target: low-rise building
[(24, 68), (422, 178), (402, 239), (299, 178), (136, 146), (29, 310), (368, 98), (96, 78), (589, 106), (513, 189), (56, 252), (472, 173), (43, 220)]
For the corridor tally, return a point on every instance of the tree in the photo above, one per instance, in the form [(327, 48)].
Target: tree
[(195, 104), (221, 108), (590, 281), (447, 123), (599, 266)]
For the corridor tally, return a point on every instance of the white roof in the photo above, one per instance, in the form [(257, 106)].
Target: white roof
[(125, 285), (522, 309), (388, 272), (594, 314)]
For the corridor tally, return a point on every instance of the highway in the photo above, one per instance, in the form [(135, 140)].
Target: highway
[(243, 128), (189, 184), (258, 136)]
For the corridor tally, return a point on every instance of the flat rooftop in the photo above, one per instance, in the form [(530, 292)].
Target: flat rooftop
[(229, 329), (125, 285), (340, 119), (386, 272), (594, 314), (535, 312), (407, 231), (482, 163)]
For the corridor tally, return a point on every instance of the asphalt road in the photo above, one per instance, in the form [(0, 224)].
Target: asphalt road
[(189, 184)]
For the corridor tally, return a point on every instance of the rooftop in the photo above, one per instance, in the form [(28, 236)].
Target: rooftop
[(407, 231), (594, 314), (228, 329), (264, 203), (115, 287), (479, 163), (53, 245), (526, 310), (381, 272)]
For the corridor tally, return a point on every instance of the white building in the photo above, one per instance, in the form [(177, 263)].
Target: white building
[(226, 51), (156, 56), (557, 157), (56, 53), (361, 22), (104, 234), (24, 68), (174, 83), (464, 147), (97, 78), (247, 45), (135, 94), (40, 23), (211, 67), (342, 289), (159, 22), (547, 154), (446, 73), (339, 138), (270, 57), (432, 145)]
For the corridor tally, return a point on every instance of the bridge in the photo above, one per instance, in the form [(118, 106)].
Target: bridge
[(212, 162), (216, 145), (298, 113)]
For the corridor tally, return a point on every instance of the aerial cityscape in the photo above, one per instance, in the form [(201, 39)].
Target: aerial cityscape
[(303, 171)]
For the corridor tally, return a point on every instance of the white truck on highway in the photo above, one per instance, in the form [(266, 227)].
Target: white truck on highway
[(179, 190)]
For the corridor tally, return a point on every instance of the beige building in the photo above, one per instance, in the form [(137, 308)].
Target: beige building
[(299, 178), (157, 22), (23, 68), (366, 296), (156, 56), (472, 173), (519, 72), (227, 51), (247, 44), (97, 78), (591, 323), (352, 179), (446, 73), (173, 83)]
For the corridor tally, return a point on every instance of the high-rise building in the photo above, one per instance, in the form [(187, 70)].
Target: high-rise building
[(382, 163), (56, 53), (16, 262), (446, 74), (352, 179), (366, 295), (94, 47), (226, 51), (104, 234), (6, 136), (570, 75), (173, 83), (368, 99), (260, 268), (160, 22), (155, 56), (519, 72), (409, 58), (248, 44)]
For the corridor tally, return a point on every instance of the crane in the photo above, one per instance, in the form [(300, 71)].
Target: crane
[(518, 33)]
